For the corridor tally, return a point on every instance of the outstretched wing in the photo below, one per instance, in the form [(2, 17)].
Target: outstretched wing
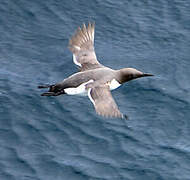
[(82, 47), (103, 101)]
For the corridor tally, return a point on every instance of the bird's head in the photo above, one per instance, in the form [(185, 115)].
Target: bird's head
[(127, 74)]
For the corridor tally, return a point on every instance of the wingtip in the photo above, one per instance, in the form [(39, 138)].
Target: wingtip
[(122, 116), (84, 26), (84, 34)]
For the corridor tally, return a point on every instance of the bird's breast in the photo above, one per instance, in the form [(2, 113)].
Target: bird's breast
[(114, 84)]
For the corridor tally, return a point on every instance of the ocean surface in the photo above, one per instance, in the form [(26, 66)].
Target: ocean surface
[(62, 138)]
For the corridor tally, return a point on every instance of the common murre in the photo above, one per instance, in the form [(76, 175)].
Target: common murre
[(94, 79)]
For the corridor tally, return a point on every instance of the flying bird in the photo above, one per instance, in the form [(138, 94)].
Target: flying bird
[(93, 79)]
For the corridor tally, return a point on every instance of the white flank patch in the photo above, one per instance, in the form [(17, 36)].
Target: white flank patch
[(80, 90), (114, 84), (75, 61), (90, 97)]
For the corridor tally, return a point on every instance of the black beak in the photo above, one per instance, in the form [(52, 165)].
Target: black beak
[(146, 74)]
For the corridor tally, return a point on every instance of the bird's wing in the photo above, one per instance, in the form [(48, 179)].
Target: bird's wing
[(103, 101), (82, 46)]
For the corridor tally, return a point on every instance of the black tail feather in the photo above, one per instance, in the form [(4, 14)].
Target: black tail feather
[(44, 86), (48, 94), (53, 90), (53, 93)]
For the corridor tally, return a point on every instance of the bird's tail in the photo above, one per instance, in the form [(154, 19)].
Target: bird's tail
[(53, 91), (44, 86)]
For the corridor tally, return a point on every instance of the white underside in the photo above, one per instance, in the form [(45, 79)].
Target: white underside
[(75, 61), (90, 97), (77, 47), (81, 90), (114, 84)]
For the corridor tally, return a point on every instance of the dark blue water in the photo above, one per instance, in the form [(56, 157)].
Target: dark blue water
[(62, 138)]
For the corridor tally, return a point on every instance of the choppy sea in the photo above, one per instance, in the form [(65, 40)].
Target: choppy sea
[(62, 138)]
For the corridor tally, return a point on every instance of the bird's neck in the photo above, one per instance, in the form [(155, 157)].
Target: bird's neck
[(123, 77)]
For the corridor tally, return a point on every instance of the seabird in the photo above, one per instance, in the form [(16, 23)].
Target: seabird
[(93, 79)]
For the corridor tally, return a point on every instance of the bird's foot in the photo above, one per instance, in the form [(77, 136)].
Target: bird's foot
[(125, 117)]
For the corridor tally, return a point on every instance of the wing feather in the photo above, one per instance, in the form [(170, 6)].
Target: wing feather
[(82, 47), (103, 101)]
